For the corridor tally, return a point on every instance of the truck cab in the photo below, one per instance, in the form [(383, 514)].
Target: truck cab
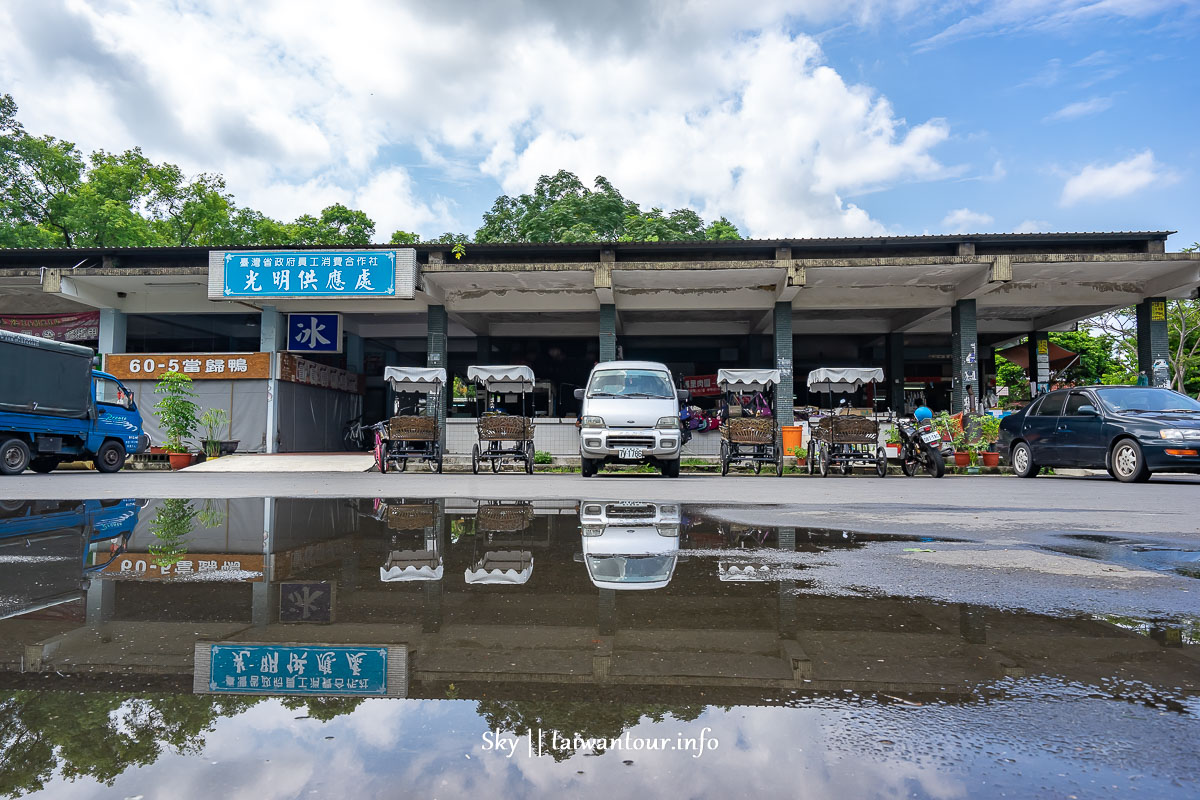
[(54, 407)]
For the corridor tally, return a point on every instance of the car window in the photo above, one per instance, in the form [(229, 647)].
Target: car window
[(1146, 398), (1074, 402), (631, 382), (111, 392), (1051, 405)]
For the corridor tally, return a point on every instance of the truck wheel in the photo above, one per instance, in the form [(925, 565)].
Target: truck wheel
[(110, 457), (43, 464), (14, 457)]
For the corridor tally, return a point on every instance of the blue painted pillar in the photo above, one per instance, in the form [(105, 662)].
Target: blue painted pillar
[(785, 392), (964, 352), (1039, 363), (112, 331), (608, 332), (436, 356), (272, 331), (1153, 349)]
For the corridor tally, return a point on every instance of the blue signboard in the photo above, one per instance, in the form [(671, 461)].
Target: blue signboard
[(288, 669), (310, 273), (314, 333)]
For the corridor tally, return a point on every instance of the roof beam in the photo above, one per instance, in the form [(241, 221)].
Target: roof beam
[(902, 323)]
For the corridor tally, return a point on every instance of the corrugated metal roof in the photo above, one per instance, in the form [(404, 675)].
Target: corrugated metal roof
[(838, 241)]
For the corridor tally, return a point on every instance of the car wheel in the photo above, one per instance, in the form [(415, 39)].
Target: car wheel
[(1128, 462), (671, 468), (110, 457), (14, 457), (586, 467), (1022, 461)]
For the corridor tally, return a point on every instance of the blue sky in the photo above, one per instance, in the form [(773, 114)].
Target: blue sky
[(815, 118)]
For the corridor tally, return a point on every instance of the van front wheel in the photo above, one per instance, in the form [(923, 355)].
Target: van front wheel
[(110, 457)]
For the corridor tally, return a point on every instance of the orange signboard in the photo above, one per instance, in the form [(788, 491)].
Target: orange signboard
[(197, 366), (218, 567)]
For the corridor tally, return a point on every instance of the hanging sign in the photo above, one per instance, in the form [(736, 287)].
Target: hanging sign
[(314, 333), (291, 274), (81, 327), (702, 385)]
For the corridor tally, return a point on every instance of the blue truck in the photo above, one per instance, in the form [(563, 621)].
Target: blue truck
[(54, 407)]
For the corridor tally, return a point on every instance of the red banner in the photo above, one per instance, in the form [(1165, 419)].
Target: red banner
[(81, 327), (702, 385)]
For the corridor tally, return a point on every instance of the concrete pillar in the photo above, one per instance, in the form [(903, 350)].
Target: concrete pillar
[(483, 349), (606, 612), (112, 331), (355, 354), (964, 354), (1153, 349), (608, 332), (272, 332), (786, 618), (101, 599), (436, 351), (1039, 363), (261, 605), (783, 362), (894, 372)]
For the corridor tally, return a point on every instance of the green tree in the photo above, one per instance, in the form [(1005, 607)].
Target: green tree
[(404, 237), (338, 226), (722, 230)]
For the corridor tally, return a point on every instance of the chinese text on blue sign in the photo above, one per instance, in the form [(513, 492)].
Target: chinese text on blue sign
[(315, 333), (311, 273), (298, 669)]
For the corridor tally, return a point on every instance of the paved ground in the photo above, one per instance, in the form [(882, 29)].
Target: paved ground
[(324, 462), (1164, 507)]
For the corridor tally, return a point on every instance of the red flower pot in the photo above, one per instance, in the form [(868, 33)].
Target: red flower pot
[(180, 460), (991, 459), (962, 459)]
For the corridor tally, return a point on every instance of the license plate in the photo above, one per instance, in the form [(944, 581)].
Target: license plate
[(629, 452), (931, 437)]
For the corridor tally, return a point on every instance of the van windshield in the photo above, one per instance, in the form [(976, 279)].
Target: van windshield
[(631, 383)]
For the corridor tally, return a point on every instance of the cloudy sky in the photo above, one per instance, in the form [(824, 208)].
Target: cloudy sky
[(800, 118)]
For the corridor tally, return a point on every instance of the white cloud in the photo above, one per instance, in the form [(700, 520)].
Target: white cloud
[(1108, 181), (964, 220), (1032, 226), (712, 106), (1083, 108)]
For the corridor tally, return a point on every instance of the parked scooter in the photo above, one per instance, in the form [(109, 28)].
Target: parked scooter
[(921, 445)]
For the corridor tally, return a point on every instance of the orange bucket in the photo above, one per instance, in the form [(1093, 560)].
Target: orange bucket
[(793, 437)]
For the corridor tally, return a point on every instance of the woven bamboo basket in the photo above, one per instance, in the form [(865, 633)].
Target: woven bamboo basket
[(847, 430), (506, 428), (410, 517), (412, 429), (749, 430), (504, 518)]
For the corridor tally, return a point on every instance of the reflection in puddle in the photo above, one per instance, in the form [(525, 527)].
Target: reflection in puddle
[(582, 635)]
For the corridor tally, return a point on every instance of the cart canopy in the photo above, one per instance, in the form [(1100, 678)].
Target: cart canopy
[(502, 566), (747, 380), (502, 379), (415, 379), (842, 380), (411, 565)]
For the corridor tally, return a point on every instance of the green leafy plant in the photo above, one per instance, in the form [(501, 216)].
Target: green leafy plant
[(213, 422), (542, 457), (176, 411), (893, 436), (170, 527)]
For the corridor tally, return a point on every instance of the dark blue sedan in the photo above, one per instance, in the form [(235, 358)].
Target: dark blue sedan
[(1132, 431)]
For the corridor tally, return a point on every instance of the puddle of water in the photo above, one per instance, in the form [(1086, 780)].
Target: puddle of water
[(1126, 552), (536, 648)]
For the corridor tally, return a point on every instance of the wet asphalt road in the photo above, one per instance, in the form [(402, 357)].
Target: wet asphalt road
[(1165, 507)]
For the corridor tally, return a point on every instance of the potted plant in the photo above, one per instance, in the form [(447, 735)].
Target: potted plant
[(892, 445), (952, 429), (801, 456), (176, 413), (989, 433), (213, 422)]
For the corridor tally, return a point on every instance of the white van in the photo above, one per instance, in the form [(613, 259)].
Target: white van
[(629, 545), (630, 415)]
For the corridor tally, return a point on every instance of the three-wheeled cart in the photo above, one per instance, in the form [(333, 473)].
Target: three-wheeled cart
[(840, 441), (753, 440), (502, 436), (506, 558), (414, 436), (406, 559)]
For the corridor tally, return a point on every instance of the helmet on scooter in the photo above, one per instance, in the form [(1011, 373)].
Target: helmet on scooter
[(923, 413)]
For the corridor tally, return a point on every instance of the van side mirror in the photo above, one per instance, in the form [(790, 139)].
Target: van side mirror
[(683, 395), (1088, 411), (579, 394)]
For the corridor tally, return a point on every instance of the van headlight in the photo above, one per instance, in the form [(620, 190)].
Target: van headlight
[(668, 423), (593, 422)]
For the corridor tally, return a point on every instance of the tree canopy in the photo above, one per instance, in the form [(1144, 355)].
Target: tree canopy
[(562, 209)]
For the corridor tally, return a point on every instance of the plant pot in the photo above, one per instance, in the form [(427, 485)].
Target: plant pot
[(962, 458), (991, 459), (180, 460), (893, 450), (229, 446), (156, 449)]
